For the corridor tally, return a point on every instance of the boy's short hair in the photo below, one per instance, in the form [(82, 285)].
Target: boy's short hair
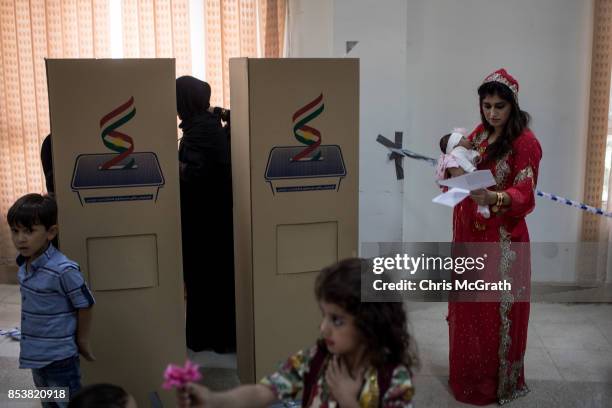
[(33, 209), (444, 142), (98, 396)]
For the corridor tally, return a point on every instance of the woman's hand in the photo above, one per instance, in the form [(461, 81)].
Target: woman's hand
[(484, 196), (344, 388), (193, 395)]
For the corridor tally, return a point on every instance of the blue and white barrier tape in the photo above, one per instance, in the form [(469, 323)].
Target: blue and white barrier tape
[(576, 204), (14, 334), (552, 197)]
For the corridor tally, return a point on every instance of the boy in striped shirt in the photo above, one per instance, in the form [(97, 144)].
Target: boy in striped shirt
[(55, 301)]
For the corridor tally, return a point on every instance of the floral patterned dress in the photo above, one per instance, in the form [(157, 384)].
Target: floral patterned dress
[(288, 381), (488, 339)]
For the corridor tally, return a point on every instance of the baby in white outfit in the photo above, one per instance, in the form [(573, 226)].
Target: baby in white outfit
[(458, 157)]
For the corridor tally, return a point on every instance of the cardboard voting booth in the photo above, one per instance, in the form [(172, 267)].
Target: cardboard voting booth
[(295, 138), (116, 179)]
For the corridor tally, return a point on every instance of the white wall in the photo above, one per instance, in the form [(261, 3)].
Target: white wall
[(545, 44), (310, 28), (421, 62)]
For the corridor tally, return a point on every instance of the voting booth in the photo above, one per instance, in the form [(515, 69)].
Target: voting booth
[(116, 179), (295, 138)]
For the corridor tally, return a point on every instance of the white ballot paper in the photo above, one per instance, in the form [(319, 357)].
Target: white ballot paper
[(460, 187)]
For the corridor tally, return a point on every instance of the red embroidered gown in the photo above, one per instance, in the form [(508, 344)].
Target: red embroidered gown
[(488, 340)]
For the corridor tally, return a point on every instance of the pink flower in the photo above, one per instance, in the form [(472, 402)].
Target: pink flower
[(176, 376)]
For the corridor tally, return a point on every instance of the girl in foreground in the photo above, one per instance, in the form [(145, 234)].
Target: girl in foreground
[(363, 357)]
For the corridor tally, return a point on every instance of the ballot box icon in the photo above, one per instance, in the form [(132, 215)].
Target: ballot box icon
[(288, 175), (94, 184)]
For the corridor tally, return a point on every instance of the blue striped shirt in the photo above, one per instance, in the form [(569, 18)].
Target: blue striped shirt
[(51, 292)]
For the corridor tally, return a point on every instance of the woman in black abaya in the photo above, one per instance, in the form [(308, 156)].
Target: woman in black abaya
[(206, 220)]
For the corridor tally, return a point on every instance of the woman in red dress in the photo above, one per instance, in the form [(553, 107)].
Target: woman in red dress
[(488, 339)]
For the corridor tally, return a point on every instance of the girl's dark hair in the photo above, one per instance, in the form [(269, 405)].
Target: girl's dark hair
[(444, 142), (99, 396), (383, 325), (33, 209), (518, 120)]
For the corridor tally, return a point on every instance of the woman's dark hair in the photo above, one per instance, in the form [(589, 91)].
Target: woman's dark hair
[(192, 97), (33, 209), (99, 396), (383, 325), (516, 124), (444, 142)]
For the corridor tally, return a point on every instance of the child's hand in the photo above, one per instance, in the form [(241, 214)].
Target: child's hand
[(193, 395), (85, 350), (344, 388)]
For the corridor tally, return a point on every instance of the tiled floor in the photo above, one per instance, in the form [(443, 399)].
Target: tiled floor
[(568, 362)]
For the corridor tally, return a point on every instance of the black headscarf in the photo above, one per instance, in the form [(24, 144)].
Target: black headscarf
[(204, 138), (192, 97)]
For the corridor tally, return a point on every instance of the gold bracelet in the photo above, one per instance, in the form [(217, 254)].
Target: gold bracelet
[(498, 203)]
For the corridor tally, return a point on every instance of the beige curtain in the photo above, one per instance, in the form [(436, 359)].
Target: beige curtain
[(272, 15), (157, 29), (231, 27), (33, 30), (29, 32), (608, 228), (232, 31), (592, 264)]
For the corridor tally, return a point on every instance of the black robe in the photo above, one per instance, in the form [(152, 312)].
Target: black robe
[(207, 233)]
